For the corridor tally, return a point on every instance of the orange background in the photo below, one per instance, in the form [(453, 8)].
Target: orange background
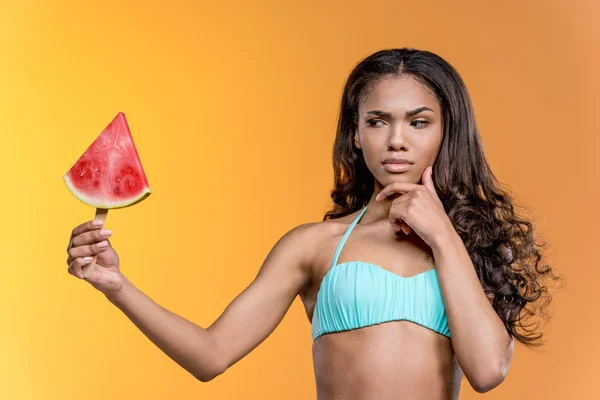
[(233, 109)]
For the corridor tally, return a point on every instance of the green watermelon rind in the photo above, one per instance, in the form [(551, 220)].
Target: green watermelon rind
[(105, 205)]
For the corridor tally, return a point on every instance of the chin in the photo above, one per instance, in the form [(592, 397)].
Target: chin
[(391, 178)]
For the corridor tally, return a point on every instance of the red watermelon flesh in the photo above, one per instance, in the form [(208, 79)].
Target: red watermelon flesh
[(109, 174)]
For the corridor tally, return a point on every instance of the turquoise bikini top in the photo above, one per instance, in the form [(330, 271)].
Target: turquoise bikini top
[(357, 294)]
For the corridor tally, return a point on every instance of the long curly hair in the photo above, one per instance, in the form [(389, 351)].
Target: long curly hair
[(500, 242)]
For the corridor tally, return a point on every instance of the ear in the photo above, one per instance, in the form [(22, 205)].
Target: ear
[(356, 139)]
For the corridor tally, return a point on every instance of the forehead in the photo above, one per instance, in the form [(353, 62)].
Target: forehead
[(399, 93)]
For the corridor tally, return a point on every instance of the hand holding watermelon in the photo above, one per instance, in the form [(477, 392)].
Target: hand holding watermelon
[(108, 175), (90, 240)]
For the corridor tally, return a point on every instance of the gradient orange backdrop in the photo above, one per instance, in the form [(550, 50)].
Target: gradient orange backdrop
[(232, 105)]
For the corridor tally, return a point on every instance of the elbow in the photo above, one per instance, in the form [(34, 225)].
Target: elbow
[(203, 377), (485, 382), (484, 379), (213, 365), (485, 386), (206, 377), (208, 374)]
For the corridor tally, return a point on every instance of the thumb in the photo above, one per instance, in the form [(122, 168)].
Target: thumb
[(428, 180)]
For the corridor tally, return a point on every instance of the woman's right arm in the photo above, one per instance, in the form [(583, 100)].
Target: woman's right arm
[(243, 325)]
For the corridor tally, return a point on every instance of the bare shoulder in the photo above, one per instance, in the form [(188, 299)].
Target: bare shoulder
[(302, 241), (314, 244), (308, 242)]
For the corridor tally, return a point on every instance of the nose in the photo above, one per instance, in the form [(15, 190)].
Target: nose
[(397, 140)]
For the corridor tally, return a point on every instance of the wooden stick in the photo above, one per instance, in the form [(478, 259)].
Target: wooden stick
[(88, 270)]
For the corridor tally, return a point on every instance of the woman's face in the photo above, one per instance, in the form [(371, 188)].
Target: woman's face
[(400, 117)]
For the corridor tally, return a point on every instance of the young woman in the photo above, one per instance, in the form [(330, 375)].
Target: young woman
[(420, 273)]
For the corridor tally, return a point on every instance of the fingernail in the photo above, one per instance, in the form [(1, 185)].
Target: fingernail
[(103, 244), (97, 222), (105, 232), (88, 258)]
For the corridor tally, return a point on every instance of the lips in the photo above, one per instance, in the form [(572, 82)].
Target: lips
[(396, 164), (396, 160)]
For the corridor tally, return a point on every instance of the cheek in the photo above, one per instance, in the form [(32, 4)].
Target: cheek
[(371, 149), (374, 142), (428, 153), (372, 153), (433, 149), (425, 150)]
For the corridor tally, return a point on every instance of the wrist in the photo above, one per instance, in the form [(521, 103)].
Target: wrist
[(444, 238), (117, 294)]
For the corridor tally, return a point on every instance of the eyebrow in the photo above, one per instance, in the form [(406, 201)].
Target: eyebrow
[(408, 114)]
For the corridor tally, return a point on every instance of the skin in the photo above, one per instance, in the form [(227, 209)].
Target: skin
[(393, 360), (396, 359)]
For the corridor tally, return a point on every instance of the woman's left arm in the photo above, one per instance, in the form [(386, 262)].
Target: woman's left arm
[(483, 346)]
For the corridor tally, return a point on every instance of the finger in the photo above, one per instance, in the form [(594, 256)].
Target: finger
[(396, 187), (88, 250), (90, 237), (100, 247), (400, 225), (396, 215), (428, 180), (87, 226), (406, 228), (70, 242), (76, 266)]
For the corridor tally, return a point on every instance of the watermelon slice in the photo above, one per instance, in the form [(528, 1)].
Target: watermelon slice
[(109, 174)]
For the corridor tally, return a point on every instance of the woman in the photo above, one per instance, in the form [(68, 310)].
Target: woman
[(421, 271)]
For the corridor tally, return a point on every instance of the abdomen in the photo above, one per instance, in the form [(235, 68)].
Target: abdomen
[(391, 361)]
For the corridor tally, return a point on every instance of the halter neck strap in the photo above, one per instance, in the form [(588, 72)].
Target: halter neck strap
[(345, 237)]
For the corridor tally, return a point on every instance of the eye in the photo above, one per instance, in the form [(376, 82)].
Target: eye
[(419, 123), (373, 122)]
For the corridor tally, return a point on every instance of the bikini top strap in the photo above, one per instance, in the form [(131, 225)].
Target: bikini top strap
[(345, 237)]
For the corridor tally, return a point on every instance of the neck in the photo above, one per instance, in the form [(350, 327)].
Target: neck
[(378, 210)]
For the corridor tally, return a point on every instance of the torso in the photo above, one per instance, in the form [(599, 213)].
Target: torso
[(393, 360)]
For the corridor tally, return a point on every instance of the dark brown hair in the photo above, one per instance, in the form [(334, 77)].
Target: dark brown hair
[(500, 242)]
